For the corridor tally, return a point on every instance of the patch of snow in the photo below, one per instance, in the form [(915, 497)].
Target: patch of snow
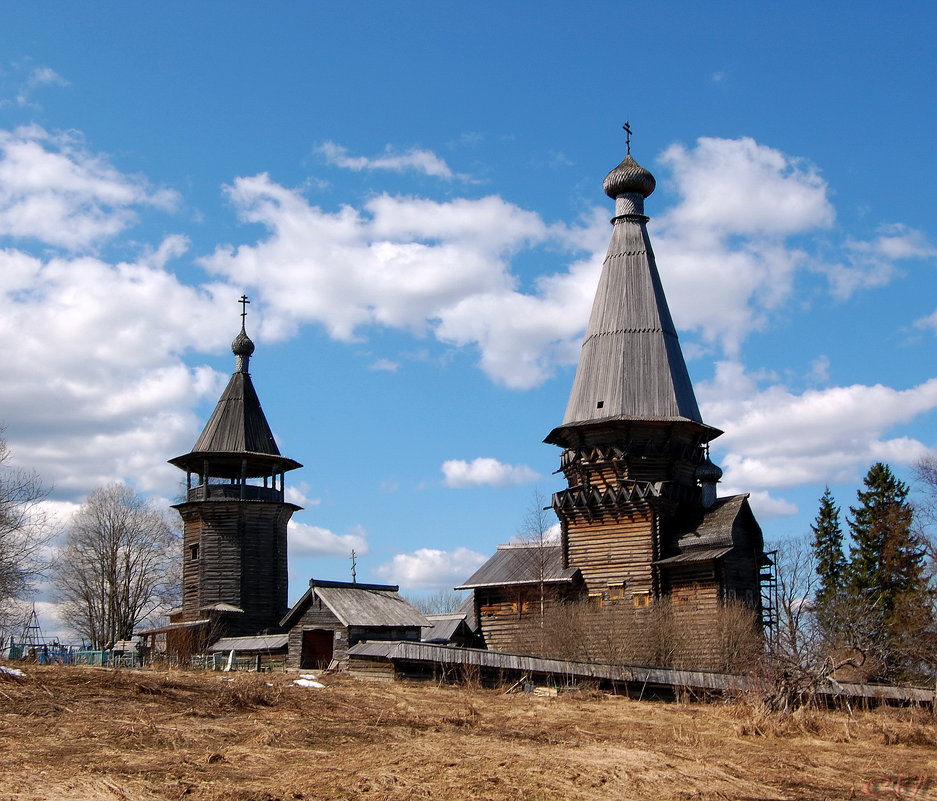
[(309, 683)]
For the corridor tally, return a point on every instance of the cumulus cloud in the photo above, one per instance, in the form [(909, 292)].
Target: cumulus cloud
[(306, 540), (54, 190), (97, 379), (727, 248), (485, 471), (413, 264), (431, 569), (723, 247), (296, 493), (777, 438), (415, 159)]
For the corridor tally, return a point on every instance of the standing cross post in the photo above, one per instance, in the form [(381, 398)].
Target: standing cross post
[(244, 303), (627, 130), (354, 574)]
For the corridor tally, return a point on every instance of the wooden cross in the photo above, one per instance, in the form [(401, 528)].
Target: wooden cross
[(354, 573), (627, 129), (244, 302)]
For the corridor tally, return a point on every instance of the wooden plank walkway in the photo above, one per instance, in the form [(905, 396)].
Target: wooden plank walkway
[(384, 660)]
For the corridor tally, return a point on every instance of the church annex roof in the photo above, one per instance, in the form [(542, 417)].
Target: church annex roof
[(522, 563), (359, 604)]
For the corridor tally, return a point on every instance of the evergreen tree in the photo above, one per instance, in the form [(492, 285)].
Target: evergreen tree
[(828, 553), (887, 573)]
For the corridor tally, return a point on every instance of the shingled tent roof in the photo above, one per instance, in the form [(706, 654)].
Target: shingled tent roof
[(631, 366), (238, 427), (238, 424)]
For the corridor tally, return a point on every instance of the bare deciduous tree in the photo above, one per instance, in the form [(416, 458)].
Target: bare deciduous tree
[(24, 530), (443, 602), (116, 569), (536, 529)]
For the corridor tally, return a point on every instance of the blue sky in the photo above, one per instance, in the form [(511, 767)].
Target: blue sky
[(411, 196)]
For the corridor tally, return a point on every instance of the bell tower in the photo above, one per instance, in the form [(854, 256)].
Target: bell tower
[(235, 514)]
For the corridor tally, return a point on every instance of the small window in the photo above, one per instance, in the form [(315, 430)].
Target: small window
[(193, 552), (600, 404), (597, 599), (616, 590), (641, 599)]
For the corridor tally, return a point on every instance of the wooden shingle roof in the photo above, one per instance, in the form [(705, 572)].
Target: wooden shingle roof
[(631, 366), (238, 424), (237, 429)]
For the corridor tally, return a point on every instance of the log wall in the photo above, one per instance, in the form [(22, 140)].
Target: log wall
[(241, 561)]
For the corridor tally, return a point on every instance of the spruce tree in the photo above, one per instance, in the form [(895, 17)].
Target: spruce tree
[(887, 574), (828, 553)]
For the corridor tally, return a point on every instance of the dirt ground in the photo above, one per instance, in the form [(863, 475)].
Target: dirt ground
[(102, 735)]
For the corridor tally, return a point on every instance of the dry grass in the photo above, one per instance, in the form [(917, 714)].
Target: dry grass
[(97, 735)]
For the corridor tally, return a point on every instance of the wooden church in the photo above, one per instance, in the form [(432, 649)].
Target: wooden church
[(234, 570), (640, 520)]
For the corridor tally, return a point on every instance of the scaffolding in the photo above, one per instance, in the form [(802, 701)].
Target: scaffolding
[(768, 579)]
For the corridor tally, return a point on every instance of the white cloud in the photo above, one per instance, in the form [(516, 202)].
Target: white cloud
[(96, 379), (306, 540), (296, 493), (37, 78), (777, 438), (872, 263), (485, 471), (386, 365), (431, 569), (53, 190), (424, 161), (820, 370), (766, 506), (414, 264), (722, 249)]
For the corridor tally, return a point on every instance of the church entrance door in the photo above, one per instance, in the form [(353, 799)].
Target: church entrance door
[(317, 649)]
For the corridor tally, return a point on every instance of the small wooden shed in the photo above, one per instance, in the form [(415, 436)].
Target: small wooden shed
[(334, 615)]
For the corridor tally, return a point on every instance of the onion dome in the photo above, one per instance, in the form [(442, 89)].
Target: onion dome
[(242, 345), (708, 476), (707, 472), (629, 178)]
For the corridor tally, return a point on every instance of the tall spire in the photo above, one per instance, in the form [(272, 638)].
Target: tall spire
[(631, 366)]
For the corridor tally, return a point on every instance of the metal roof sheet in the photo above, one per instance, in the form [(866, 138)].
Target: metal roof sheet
[(359, 604), (694, 557), (266, 642), (367, 607), (522, 563), (442, 627)]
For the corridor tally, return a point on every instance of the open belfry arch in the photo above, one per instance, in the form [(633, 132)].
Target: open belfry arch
[(640, 518), (235, 517)]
